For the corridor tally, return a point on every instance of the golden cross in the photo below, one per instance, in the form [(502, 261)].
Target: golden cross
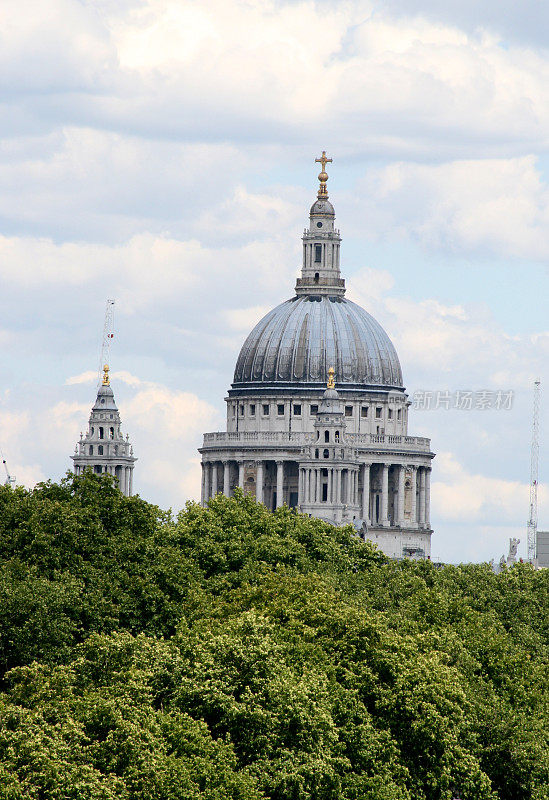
[(323, 177), (323, 160)]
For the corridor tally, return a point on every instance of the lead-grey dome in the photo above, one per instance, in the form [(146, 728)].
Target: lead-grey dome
[(298, 341)]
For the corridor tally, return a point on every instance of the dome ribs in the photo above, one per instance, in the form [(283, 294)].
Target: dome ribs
[(300, 339)]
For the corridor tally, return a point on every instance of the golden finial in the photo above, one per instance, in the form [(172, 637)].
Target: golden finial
[(106, 375), (331, 381), (323, 177)]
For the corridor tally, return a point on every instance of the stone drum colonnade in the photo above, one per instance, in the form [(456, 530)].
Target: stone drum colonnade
[(380, 494)]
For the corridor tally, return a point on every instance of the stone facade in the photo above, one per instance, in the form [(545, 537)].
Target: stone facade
[(104, 448), (343, 455)]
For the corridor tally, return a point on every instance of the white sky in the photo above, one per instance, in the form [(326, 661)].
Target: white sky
[(161, 152)]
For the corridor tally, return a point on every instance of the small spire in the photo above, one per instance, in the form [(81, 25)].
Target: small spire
[(331, 379), (323, 176), (106, 380)]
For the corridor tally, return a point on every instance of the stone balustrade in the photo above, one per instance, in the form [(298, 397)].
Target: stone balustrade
[(282, 438)]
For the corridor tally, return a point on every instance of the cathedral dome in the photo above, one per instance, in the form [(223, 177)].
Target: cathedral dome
[(298, 341)]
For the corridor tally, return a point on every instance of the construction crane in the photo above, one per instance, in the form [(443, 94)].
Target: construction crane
[(10, 480), (108, 335), (532, 527)]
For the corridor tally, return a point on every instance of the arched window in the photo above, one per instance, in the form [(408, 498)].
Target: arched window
[(316, 453), (91, 449), (326, 436), (101, 432), (317, 277), (326, 453), (337, 436), (92, 430), (111, 433), (100, 450)]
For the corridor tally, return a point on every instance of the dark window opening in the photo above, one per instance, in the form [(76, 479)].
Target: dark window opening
[(348, 411), (364, 411), (326, 453), (241, 411), (314, 409), (319, 224), (390, 413), (280, 410), (91, 449), (316, 453), (318, 253), (265, 410), (337, 436), (97, 469), (100, 433), (324, 492), (378, 413), (297, 409), (100, 450), (252, 409), (399, 413), (326, 436), (111, 433), (317, 277)]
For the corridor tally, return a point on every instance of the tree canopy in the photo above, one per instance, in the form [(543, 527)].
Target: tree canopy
[(237, 653)]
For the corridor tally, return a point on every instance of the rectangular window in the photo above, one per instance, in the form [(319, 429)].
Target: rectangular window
[(348, 411), (364, 411), (297, 409), (378, 413), (241, 411), (314, 409), (265, 410), (399, 413), (280, 409), (252, 409), (390, 413), (318, 253)]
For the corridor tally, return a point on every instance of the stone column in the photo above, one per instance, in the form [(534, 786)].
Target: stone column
[(214, 478), (428, 497), (422, 497), (366, 493), (241, 474), (279, 483), (385, 495), (337, 486), (401, 489), (414, 499), (203, 498), (226, 479), (130, 490), (259, 482), (348, 488)]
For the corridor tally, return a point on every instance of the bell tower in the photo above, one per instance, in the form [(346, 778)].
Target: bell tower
[(104, 448)]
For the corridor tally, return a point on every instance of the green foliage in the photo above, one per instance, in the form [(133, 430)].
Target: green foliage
[(239, 653)]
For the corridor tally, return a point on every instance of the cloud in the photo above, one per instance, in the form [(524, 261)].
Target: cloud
[(265, 72), (490, 206)]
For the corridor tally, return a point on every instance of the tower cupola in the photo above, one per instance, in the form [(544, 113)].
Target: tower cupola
[(320, 274), (103, 448)]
